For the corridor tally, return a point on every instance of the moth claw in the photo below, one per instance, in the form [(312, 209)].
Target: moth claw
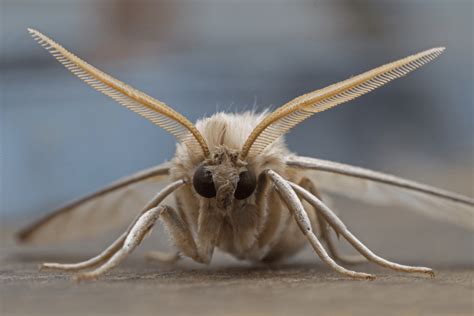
[(364, 276), (370, 277)]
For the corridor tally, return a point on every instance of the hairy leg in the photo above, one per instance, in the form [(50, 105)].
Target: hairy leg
[(209, 228), (100, 258), (307, 184), (296, 207), (180, 233), (339, 227), (137, 234), (118, 243)]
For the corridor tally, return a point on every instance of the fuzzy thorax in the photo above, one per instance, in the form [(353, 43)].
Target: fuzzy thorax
[(228, 132)]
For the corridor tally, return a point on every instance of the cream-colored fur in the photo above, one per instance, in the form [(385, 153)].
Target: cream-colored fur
[(230, 130), (245, 230)]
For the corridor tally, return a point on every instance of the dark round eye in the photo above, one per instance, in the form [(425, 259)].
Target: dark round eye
[(202, 182), (246, 185)]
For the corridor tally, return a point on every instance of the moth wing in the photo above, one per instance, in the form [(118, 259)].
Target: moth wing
[(110, 207), (383, 189)]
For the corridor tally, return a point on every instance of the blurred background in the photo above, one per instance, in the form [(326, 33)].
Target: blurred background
[(60, 139)]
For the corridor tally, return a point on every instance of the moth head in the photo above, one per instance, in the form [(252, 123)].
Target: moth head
[(225, 177)]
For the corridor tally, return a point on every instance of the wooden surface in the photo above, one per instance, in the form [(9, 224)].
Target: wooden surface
[(296, 289), (300, 286)]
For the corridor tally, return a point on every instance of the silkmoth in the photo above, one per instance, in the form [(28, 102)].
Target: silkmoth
[(234, 185)]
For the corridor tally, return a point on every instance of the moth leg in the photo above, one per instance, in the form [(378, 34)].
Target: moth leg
[(209, 229), (118, 243), (339, 227), (90, 263), (294, 204), (326, 237), (179, 231), (141, 228), (324, 227)]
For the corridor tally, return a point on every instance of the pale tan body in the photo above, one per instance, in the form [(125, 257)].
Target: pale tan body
[(251, 228), (257, 228), (265, 233)]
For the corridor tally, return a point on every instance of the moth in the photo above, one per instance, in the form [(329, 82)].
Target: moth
[(234, 185)]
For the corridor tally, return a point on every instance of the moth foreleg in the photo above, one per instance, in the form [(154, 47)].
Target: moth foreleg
[(339, 227), (118, 243), (294, 204), (179, 231), (135, 236), (209, 229), (324, 227), (87, 264)]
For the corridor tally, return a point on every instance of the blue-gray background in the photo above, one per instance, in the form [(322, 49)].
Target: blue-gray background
[(60, 139)]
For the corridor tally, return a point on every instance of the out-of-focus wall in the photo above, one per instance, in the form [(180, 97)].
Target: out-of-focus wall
[(60, 139)]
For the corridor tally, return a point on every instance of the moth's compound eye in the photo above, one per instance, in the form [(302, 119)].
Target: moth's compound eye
[(246, 185), (202, 182)]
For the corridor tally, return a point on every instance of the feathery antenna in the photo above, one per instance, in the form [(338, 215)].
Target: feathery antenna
[(294, 112), (155, 111)]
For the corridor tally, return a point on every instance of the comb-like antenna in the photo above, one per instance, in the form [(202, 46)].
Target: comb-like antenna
[(155, 111), (292, 113)]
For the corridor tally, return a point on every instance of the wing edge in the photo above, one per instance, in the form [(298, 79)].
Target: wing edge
[(25, 235), (358, 172)]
